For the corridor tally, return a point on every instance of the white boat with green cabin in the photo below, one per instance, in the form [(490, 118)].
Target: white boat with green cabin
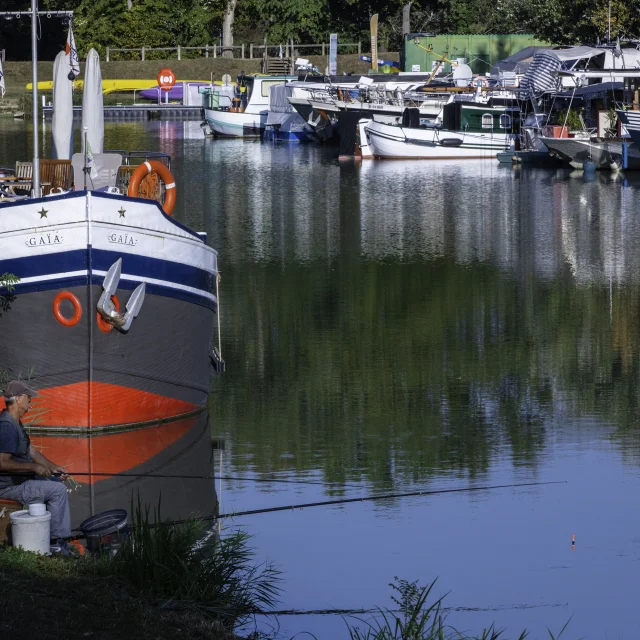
[(466, 129)]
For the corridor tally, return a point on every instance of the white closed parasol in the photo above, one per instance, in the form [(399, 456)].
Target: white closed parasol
[(62, 122), (92, 105)]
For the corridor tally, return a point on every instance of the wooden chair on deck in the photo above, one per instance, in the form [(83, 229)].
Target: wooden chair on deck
[(58, 173), (54, 174), (24, 171)]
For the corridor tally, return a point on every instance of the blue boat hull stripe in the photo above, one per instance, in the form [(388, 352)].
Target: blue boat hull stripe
[(60, 265)]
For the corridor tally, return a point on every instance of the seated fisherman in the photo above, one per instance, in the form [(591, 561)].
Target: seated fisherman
[(20, 459)]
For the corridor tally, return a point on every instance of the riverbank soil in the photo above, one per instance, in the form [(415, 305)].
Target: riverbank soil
[(61, 598)]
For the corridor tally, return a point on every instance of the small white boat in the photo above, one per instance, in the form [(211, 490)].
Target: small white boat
[(466, 130), (245, 114)]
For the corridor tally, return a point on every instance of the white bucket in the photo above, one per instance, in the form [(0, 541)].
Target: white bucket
[(37, 509), (31, 533)]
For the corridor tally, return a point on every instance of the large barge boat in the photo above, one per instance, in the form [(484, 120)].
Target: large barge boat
[(93, 375)]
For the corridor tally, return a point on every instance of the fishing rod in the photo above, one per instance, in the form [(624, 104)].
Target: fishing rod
[(186, 477), (383, 496)]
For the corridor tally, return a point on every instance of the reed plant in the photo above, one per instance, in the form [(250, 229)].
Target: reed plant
[(187, 566)]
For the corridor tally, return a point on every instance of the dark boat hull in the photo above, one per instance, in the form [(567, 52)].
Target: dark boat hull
[(90, 375)]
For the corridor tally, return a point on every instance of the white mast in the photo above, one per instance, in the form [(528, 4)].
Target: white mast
[(34, 70)]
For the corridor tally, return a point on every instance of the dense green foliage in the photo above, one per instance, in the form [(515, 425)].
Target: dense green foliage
[(158, 23)]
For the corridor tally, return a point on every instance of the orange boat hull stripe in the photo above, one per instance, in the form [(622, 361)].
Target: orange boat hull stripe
[(68, 406)]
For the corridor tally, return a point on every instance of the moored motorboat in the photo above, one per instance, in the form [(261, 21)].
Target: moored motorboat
[(245, 115), (466, 131)]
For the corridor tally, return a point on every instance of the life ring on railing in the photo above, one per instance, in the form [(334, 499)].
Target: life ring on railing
[(103, 325), (77, 309), (163, 171)]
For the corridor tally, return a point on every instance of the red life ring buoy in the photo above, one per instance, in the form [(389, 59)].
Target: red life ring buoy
[(77, 309), (163, 171), (103, 325)]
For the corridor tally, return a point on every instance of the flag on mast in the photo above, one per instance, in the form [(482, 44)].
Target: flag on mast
[(2, 87), (72, 53), (373, 25), (90, 162)]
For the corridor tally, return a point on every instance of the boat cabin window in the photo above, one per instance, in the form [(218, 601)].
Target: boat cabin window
[(267, 84), (487, 121), (505, 121)]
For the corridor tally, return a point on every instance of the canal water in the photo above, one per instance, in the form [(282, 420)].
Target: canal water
[(392, 327)]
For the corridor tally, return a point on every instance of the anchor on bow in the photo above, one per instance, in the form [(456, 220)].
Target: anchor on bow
[(106, 307)]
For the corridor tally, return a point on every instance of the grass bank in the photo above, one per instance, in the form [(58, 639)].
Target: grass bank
[(65, 598), (166, 582), (18, 74)]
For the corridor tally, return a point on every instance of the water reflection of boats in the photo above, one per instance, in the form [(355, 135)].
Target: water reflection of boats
[(175, 448)]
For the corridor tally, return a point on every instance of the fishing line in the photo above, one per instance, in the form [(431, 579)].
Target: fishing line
[(351, 612)]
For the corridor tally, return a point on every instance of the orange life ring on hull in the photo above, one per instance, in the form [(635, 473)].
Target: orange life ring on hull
[(162, 170), (77, 309), (103, 325)]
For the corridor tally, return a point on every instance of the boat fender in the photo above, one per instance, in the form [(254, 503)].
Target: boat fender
[(103, 325), (451, 142), (163, 171), (77, 309)]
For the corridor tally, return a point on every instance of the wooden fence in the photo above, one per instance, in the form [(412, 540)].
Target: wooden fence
[(215, 50)]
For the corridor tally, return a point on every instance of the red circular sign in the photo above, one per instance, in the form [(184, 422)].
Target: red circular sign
[(166, 79)]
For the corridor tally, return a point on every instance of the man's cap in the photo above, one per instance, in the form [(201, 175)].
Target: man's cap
[(18, 388)]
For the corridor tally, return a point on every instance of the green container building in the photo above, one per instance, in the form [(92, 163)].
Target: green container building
[(480, 50)]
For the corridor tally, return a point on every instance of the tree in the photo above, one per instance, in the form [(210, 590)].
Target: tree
[(227, 29), (574, 22)]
